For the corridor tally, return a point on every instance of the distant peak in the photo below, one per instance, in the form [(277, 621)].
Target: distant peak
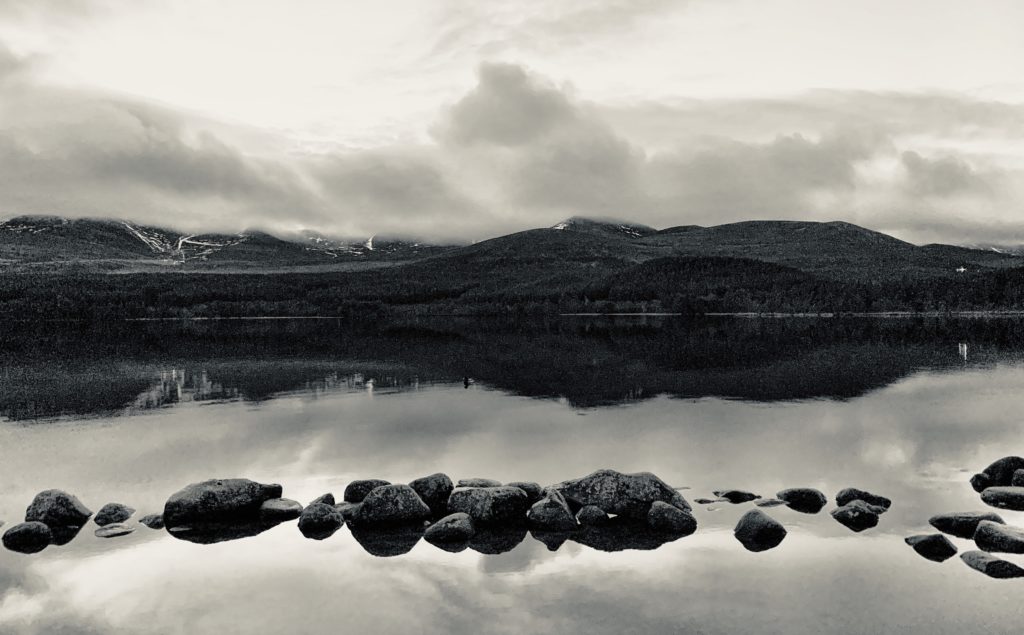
[(604, 225)]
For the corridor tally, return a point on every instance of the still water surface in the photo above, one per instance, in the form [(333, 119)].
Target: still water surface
[(905, 408)]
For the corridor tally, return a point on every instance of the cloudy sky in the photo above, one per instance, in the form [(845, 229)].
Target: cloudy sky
[(463, 119)]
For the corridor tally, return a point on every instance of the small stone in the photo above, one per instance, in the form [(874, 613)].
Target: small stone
[(56, 508), (320, 521), (113, 530), (357, 490), (392, 504), (857, 515), (757, 531), (490, 505), (326, 499), (348, 511), (770, 502), (281, 509), (153, 521), (709, 501), (935, 547), (30, 537), (1004, 497), (805, 500), (1018, 479), (962, 524), (991, 566), (456, 527), (669, 519), (736, 496), (478, 482), (113, 513), (592, 515), (434, 490), (991, 536), (551, 513), (534, 492), (851, 494)]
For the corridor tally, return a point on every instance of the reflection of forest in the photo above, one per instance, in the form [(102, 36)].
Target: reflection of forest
[(587, 362)]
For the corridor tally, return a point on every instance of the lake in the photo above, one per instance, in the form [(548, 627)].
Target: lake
[(907, 408)]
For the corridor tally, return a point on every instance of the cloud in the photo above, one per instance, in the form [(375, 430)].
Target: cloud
[(942, 176)]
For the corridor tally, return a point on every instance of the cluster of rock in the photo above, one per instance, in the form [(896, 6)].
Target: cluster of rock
[(55, 517), (1001, 485)]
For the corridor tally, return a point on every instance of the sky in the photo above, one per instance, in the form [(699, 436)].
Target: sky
[(466, 119)]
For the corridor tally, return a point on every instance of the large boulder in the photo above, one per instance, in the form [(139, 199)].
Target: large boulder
[(452, 528), (30, 537), (434, 490), (757, 531), (490, 505), (357, 490), (805, 500), (991, 566), (736, 496), (962, 524), (392, 505), (1004, 497), (857, 515), (934, 547), (218, 500), (851, 494), (992, 536), (320, 521), (551, 513), (670, 519), (621, 494), (999, 473), (56, 508), (113, 513), (281, 509)]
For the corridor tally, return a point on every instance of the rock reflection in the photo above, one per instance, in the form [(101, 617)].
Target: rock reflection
[(386, 542), (212, 533)]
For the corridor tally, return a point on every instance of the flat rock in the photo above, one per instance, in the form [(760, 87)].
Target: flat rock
[(770, 502), (999, 473), (998, 537), (29, 537), (709, 501), (114, 530), (757, 531), (490, 505), (153, 521), (434, 490), (666, 518), (392, 505), (851, 494), (550, 513), (621, 494), (320, 521), (857, 515), (962, 524), (534, 492), (934, 547), (1004, 497), (57, 508), (736, 496), (805, 500), (357, 490), (591, 515), (991, 566), (113, 513), (282, 509), (478, 482), (456, 527), (218, 500)]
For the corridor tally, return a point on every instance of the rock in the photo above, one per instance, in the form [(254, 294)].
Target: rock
[(29, 537), (114, 530), (478, 482), (770, 502), (56, 508), (992, 536), (805, 500), (991, 566), (534, 492), (1018, 479), (550, 513), (1004, 497), (851, 494), (999, 473), (153, 521), (385, 541), (113, 513), (282, 509), (434, 490), (736, 496), (348, 510), (320, 521), (326, 499), (490, 505), (392, 505), (621, 494), (757, 531), (857, 515), (934, 547), (709, 501), (452, 528), (357, 490), (218, 500), (669, 519), (591, 515), (962, 524)]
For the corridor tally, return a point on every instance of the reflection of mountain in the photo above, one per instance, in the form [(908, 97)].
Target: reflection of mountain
[(587, 362)]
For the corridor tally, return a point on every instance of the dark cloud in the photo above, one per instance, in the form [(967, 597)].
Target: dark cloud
[(942, 176)]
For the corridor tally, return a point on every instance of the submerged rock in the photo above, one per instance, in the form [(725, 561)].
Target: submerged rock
[(57, 508), (490, 505), (935, 547), (153, 521), (392, 505), (282, 509), (452, 528), (358, 490), (326, 499), (962, 524), (736, 496), (534, 492), (591, 515), (757, 531), (218, 500), (478, 482), (621, 494), (551, 513), (29, 537), (991, 566), (805, 500), (999, 473), (857, 515), (851, 494), (434, 490), (385, 541), (670, 519), (320, 521), (1004, 497), (991, 536), (114, 530), (113, 513), (770, 502)]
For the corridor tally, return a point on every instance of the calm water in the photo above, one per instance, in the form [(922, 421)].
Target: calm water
[(906, 408)]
